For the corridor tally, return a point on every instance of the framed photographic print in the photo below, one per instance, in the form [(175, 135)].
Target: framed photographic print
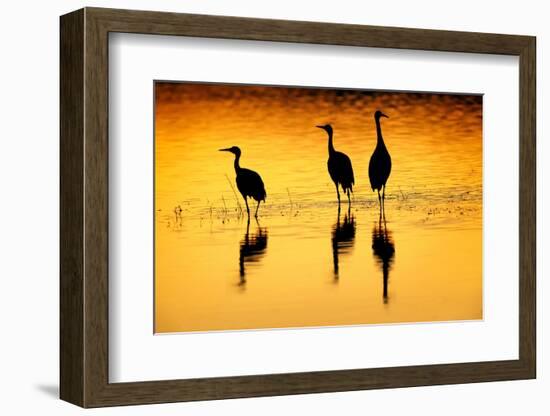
[(255, 207)]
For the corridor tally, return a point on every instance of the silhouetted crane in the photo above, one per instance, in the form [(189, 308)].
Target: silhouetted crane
[(380, 163), (339, 167), (249, 183)]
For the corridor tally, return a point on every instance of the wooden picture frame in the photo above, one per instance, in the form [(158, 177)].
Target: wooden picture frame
[(84, 207)]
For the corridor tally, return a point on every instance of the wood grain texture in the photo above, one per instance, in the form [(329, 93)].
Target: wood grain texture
[(71, 213), (225, 27), (96, 219), (527, 206), (84, 207)]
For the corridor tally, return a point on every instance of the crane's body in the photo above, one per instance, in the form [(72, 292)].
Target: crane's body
[(249, 183), (380, 163), (339, 167), (341, 171)]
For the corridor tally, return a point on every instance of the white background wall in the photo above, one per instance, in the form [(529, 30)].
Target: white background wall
[(29, 159)]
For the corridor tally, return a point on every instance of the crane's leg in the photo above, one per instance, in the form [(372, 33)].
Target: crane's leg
[(247, 209), (349, 203), (384, 200), (338, 194), (257, 207)]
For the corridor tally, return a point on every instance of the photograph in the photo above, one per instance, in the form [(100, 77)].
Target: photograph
[(307, 207)]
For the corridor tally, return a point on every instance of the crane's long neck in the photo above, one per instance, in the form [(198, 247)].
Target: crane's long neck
[(379, 138), (236, 163), (330, 145)]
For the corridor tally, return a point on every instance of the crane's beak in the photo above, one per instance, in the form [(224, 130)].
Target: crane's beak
[(383, 115), (225, 150), (321, 127)]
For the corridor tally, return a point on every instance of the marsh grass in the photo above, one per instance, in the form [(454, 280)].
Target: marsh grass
[(240, 210)]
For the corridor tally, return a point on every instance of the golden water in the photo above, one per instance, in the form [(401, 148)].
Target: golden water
[(301, 264)]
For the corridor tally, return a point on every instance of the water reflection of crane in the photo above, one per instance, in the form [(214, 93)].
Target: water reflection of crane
[(249, 183), (251, 249), (380, 163), (343, 238), (383, 249), (339, 167)]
